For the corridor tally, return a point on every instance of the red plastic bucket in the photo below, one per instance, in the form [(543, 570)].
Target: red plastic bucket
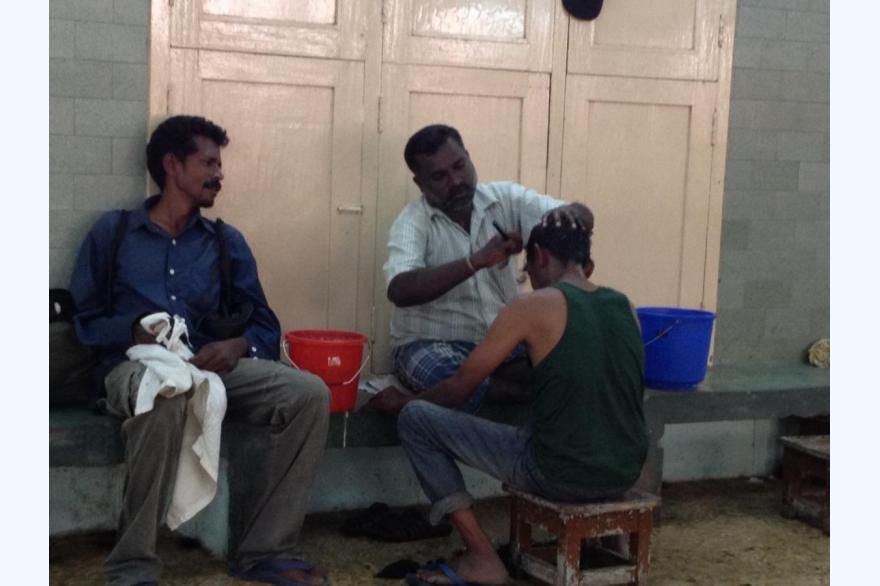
[(333, 355)]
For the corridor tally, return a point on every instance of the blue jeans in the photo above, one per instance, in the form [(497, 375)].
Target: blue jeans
[(422, 364), (435, 437)]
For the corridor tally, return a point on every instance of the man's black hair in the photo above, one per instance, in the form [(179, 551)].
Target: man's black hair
[(566, 237), (428, 141), (176, 135)]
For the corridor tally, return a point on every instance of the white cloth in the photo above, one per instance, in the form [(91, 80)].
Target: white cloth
[(423, 236), (169, 373)]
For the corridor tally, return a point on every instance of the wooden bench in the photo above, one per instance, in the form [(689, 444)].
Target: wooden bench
[(806, 463), (573, 524)]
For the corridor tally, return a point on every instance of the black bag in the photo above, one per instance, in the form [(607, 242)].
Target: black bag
[(234, 315), (70, 363), (60, 305)]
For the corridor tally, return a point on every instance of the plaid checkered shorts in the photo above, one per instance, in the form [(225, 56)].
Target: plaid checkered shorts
[(422, 364)]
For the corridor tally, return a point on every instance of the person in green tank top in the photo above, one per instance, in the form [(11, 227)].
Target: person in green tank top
[(587, 438)]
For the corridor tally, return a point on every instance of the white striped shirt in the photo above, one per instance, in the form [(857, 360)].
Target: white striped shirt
[(423, 236)]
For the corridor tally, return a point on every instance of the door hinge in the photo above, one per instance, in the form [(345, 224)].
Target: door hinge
[(384, 15), (379, 127), (714, 137), (372, 323), (170, 2), (721, 31)]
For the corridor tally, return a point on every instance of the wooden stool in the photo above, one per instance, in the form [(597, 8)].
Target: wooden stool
[(806, 476), (560, 564)]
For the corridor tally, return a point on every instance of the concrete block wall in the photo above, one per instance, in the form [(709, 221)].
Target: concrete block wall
[(773, 298), (773, 294), (97, 117)]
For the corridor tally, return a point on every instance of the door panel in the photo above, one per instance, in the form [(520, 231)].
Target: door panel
[(497, 34), (293, 161), (673, 39), (502, 117), (316, 28), (639, 153), (630, 131)]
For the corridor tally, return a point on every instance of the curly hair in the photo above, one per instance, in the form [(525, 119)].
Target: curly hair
[(176, 135), (427, 141), (566, 237)]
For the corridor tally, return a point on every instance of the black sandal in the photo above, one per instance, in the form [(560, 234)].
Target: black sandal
[(381, 523), (357, 525), (406, 525)]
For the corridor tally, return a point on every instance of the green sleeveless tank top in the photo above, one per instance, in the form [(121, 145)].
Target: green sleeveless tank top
[(589, 427)]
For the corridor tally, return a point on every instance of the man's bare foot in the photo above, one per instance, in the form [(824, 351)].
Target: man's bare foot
[(470, 567)]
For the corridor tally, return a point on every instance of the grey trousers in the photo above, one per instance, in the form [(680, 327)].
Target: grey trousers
[(294, 405)]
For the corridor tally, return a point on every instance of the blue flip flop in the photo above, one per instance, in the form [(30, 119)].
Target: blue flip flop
[(414, 580), (270, 571)]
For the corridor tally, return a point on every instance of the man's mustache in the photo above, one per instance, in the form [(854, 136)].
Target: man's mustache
[(214, 184)]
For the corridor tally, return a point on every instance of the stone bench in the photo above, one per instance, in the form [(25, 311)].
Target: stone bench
[(86, 472), (733, 393)]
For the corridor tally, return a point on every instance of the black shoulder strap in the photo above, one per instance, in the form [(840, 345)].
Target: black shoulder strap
[(225, 265), (225, 269), (114, 253)]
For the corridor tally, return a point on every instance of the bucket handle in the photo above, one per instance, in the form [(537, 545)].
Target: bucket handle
[(285, 357), (664, 332)]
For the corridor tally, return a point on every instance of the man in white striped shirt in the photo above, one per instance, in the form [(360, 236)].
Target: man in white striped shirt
[(448, 271)]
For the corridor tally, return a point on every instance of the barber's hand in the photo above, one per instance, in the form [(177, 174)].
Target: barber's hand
[(220, 356), (389, 400), (497, 251)]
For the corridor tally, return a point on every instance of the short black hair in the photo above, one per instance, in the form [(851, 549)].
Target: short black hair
[(566, 237), (176, 135), (427, 141)]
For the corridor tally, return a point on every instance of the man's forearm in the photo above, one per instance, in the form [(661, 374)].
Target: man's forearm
[(425, 285), (446, 393)]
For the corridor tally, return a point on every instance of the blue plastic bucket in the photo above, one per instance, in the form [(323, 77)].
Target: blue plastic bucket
[(676, 346)]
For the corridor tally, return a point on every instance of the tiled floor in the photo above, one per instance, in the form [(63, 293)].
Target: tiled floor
[(714, 532)]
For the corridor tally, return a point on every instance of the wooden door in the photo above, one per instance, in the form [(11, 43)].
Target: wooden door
[(321, 96), (672, 39), (292, 171), (639, 153), (316, 28), (496, 34), (502, 116)]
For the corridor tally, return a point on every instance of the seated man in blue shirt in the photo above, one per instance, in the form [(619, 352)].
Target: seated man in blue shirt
[(166, 257)]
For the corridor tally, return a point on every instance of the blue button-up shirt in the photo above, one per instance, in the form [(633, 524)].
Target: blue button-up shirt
[(157, 272)]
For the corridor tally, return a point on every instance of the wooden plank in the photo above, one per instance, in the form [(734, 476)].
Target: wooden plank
[(538, 568), (815, 445), (608, 576), (632, 500)]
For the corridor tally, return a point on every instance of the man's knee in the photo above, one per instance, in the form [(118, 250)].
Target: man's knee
[(304, 389), (165, 420), (170, 408), (121, 385), (412, 419)]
